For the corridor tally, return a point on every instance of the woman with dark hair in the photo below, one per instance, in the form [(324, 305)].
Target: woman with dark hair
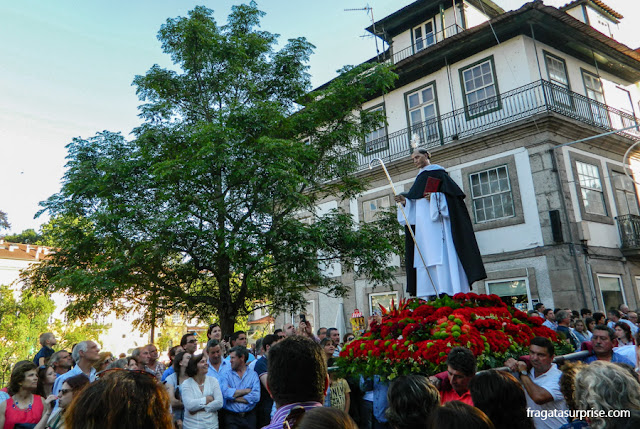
[(347, 338), (69, 389), (458, 415), (500, 396), (623, 334), (24, 406), (215, 333), (323, 418), (173, 382), (412, 398), (201, 395), (46, 378), (132, 363), (121, 400), (590, 323)]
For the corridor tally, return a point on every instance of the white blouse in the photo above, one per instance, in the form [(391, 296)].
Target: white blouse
[(197, 413)]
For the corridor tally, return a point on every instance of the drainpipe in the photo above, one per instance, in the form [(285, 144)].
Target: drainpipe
[(441, 23), (572, 250)]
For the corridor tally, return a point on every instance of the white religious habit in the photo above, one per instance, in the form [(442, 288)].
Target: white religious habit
[(433, 235)]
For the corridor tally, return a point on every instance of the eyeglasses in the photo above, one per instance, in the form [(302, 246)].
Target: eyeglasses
[(281, 336), (192, 341), (295, 414), (62, 392)]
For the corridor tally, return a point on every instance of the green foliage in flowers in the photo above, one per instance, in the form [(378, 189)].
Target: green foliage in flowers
[(418, 336)]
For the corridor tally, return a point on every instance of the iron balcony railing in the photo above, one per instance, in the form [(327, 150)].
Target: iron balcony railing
[(426, 41), (629, 228), (512, 106)]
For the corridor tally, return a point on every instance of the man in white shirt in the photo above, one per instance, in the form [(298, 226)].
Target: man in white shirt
[(545, 402)]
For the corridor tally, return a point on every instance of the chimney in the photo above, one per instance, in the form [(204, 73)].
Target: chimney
[(28, 248)]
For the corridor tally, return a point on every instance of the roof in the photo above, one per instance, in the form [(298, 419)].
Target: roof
[(550, 26), (415, 13), (23, 252), (262, 320), (599, 5)]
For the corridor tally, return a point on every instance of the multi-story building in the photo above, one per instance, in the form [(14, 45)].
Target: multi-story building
[(506, 101)]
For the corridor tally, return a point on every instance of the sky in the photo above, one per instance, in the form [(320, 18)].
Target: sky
[(67, 68)]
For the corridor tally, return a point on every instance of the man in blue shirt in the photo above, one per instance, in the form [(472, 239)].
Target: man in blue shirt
[(374, 403), (218, 368), (241, 391), (239, 338), (602, 341)]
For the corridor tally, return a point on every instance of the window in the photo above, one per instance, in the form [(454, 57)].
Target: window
[(480, 88), (491, 194), (557, 72), (611, 291), (423, 36), (381, 299), (421, 107), (626, 199), (591, 189), (371, 207), (376, 139), (594, 91), (176, 318), (512, 292)]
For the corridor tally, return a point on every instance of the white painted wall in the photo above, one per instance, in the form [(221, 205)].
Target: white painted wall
[(600, 23), (601, 234), (576, 82), (538, 265), (577, 13), (515, 237), (473, 15)]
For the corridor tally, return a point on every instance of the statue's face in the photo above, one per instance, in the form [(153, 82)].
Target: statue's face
[(420, 160)]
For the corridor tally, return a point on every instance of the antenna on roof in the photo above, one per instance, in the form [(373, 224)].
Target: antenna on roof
[(369, 10)]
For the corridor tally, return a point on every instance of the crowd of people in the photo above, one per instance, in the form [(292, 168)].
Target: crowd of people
[(288, 380)]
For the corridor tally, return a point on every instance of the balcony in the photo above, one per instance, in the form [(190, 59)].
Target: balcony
[(507, 108), (629, 229), (429, 40)]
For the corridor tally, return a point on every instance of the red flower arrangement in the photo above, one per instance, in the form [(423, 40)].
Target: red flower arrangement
[(416, 336)]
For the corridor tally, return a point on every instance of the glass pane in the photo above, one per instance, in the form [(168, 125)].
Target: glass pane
[(508, 288), (416, 117), (609, 283), (413, 100), (429, 112), (382, 299), (427, 95)]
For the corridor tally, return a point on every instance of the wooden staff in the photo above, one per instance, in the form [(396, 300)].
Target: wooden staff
[(406, 221)]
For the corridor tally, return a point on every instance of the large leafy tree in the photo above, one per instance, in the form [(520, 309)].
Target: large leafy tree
[(200, 213), (23, 317)]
